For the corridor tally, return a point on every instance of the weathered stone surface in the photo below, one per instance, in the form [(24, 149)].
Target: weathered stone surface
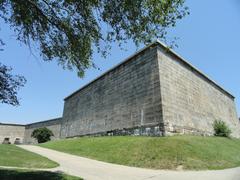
[(22, 133), (11, 131), (153, 88), (125, 97), (147, 130), (190, 101), (53, 125)]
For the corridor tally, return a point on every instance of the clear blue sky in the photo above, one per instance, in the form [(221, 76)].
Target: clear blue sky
[(209, 39)]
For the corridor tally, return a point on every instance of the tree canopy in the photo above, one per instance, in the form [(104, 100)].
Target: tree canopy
[(42, 135), (69, 31), (9, 85)]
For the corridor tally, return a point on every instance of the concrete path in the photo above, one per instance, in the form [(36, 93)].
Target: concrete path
[(96, 170)]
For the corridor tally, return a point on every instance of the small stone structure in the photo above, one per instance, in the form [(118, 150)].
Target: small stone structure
[(155, 92), (12, 133), (21, 134)]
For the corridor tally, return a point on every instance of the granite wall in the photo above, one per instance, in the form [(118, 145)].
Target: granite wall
[(190, 100), (125, 100), (12, 131), (154, 92), (53, 125)]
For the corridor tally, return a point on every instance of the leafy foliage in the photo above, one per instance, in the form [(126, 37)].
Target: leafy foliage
[(69, 30), (42, 134), (221, 129), (9, 85)]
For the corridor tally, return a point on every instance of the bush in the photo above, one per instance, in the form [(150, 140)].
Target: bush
[(42, 134), (221, 129)]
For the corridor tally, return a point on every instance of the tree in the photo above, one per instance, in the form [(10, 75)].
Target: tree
[(42, 134), (9, 85), (69, 31)]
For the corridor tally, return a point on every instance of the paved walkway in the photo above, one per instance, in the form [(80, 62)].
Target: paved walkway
[(96, 170)]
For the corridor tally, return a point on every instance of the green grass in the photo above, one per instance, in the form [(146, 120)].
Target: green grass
[(33, 175), (189, 152), (11, 155)]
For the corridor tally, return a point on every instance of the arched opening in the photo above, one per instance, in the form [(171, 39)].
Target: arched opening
[(6, 140), (17, 141)]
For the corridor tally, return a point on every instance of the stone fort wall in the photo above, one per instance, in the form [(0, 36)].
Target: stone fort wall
[(190, 100), (126, 99), (53, 125), (154, 92), (23, 132), (11, 131)]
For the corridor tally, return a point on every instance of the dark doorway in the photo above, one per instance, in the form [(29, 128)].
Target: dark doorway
[(6, 141), (17, 141)]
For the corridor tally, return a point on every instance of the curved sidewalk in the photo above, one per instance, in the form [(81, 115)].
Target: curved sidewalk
[(96, 170)]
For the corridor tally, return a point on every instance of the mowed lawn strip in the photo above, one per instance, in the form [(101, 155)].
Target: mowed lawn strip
[(7, 174), (187, 152), (11, 155)]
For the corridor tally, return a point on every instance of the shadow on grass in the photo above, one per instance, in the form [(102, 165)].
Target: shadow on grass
[(6, 174)]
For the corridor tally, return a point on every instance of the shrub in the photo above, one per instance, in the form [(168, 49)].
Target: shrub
[(221, 129), (42, 134)]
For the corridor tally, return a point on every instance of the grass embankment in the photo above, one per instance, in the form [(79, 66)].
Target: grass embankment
[(33, 175), (11, 155), (189, 152)]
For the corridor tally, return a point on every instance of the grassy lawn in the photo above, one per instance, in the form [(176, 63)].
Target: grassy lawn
[(11, 155), (33, 175), (189, 152)]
